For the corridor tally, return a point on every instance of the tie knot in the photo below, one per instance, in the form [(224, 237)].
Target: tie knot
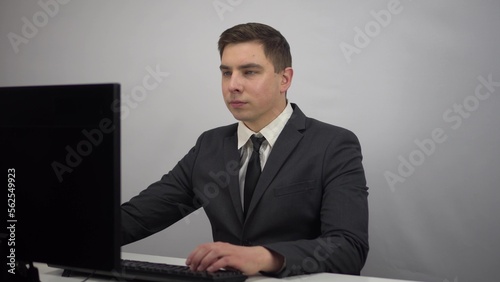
[(256, 141)]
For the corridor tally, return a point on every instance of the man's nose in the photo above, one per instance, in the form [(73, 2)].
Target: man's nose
[(235, 83)]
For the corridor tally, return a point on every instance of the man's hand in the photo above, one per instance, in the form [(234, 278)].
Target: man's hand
[(249, 260)]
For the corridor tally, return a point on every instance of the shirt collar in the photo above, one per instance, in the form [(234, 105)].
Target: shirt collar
[(270, 132)]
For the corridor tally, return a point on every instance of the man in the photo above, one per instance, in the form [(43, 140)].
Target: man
[(308, 211)]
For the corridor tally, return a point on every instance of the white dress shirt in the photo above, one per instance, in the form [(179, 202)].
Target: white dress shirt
[(270, 132)]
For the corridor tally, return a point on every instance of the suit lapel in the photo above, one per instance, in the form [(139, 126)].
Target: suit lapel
[(284, 146)]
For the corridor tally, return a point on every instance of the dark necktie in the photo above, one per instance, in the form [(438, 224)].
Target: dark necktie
[(253, 171)]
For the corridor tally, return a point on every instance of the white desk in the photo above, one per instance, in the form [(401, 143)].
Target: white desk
[(48, 274)]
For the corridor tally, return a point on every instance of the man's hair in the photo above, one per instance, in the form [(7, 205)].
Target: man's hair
[(276, 48)]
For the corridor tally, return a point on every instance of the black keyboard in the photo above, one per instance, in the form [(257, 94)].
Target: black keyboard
[(132, 270), (161, 272)]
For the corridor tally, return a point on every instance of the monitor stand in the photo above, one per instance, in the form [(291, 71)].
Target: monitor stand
[(26, 272)]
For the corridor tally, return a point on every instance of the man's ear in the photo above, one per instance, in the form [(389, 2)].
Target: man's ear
[(286, 79)]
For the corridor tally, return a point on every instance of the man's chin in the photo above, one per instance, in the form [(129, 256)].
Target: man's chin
[(239, 115)]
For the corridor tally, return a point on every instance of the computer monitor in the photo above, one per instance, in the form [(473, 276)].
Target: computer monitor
[(60, 165)]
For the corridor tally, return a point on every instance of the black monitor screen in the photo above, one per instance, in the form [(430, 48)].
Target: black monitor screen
[(60, 165)]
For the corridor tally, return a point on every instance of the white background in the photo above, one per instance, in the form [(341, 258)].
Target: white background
[(410, 74)]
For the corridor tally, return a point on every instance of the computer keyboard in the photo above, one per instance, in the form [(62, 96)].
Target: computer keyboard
[(149, 271), (133, 270)]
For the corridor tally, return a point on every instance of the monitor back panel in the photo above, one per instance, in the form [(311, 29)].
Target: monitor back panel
[(60, 147)]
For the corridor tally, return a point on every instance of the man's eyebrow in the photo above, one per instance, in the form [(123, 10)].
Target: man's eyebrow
[(245, 66), (250, 66)]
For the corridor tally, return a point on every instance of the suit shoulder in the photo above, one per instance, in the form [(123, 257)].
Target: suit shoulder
[(221, 131), (309, 125), (316, 126)]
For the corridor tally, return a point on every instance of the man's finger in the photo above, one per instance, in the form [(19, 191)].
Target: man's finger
[(204, 255)]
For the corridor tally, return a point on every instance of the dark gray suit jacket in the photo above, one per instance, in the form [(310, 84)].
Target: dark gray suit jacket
[(310, 204)]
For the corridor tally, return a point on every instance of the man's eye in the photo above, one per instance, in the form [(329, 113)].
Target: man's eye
[(250, 72), (226, 73)]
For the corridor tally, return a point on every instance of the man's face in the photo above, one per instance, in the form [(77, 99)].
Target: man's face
[(252, 91)]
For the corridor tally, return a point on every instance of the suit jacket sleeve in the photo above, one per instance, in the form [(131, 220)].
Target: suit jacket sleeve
[(342, 246)]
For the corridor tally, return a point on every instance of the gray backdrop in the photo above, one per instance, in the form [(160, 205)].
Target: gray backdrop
[(417, 81)]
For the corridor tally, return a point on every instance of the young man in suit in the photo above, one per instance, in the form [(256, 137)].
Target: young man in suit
[(307, 211)]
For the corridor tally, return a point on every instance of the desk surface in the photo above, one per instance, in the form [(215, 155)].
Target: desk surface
[(48, 274)]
